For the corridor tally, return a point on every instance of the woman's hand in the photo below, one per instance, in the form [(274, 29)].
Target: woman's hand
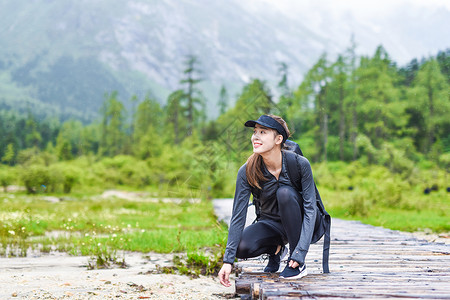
[(224, 274), (293, 264)]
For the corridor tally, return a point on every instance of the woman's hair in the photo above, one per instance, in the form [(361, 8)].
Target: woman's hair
[(254, 163)]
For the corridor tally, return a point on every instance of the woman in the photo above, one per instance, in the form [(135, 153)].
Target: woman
[(285, 216)]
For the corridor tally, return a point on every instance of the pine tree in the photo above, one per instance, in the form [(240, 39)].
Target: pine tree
[(90, 139), (63, 147), (113, 126), (192, 96), (9, 155), (409, 72), (32, 136), (223, 100), (134, 101), (313, 93), (382, 113), (353, 98), (147, 131), (286, 98), (255, 100), (443, 58), (174, 113), (283, 84), (430, 91), (339, 77)]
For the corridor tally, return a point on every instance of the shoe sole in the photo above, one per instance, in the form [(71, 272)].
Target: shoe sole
[(302, 274)]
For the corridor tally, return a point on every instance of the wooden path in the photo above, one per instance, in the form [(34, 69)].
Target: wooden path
[(365, 262)]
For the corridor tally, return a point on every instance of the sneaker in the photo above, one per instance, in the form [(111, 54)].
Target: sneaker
[(275, 260), (294, 273)]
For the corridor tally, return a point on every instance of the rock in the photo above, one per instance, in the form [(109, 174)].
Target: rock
[(51, 199)]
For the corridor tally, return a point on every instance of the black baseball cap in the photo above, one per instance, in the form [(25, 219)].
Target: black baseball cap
[(268, 122)]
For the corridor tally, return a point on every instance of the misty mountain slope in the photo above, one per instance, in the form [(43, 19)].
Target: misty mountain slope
[(63, 56)]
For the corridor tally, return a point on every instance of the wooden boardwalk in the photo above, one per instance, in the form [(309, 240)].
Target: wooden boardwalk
[(365, 262)]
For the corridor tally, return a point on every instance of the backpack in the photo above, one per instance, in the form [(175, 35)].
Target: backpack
[(323, 219)]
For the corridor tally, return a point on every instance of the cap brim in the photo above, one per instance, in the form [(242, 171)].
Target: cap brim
[(268, 122), (250, 123)]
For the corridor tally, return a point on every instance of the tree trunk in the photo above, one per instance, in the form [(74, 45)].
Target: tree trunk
[(431, 117), (325, 136), (323, 122), (190, 107), (175, 126), (341, 123), (354, 131)]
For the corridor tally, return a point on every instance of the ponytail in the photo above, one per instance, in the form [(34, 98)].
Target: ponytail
[(254, 170)]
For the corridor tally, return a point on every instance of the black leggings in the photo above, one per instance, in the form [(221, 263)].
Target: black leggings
[(265, 236)]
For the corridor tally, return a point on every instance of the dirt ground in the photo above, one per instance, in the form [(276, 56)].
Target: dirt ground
[(60, 276)]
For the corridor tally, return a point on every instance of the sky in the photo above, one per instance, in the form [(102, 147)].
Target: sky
[(362, 7), (406, 28), (379, 6)]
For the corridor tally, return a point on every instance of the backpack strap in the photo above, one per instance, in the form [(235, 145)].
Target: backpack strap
[(256, 193), (293, 171), (295, 177), (327, 237), (326, 245)]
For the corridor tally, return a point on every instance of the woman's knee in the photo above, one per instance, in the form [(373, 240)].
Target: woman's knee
[(286, 195), (244, 250)]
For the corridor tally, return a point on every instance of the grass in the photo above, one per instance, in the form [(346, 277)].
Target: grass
[(404, 220), (196, 263), (432, 212), (85, 224), (102, 227), (378, 197)]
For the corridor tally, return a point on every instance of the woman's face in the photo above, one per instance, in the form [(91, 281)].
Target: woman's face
[(265, 139)]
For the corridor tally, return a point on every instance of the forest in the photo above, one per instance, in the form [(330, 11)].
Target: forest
[(377, 135)]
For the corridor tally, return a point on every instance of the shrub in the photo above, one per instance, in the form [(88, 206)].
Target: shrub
[(444, 161), (65, 175), (71, 177), (33, 156), (137, 173), (7, 177), (36, 178), (29, 156), (55, 178)]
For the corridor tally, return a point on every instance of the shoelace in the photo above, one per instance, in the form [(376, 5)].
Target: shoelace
[(264, 257)]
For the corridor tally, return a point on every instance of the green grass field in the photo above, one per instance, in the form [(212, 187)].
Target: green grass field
[(411, 211), (86, 224), (375, 195), (92, 225)]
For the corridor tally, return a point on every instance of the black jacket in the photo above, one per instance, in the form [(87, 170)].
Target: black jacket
[(268, 193)]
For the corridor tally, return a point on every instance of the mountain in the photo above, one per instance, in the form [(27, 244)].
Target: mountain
[(61, 57)]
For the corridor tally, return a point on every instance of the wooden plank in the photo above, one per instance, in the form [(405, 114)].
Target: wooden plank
[(368, 285), (295, 289), (356, 279), (276, 295), (384, 255), (370, 269), (365, 262), (401, 272)]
